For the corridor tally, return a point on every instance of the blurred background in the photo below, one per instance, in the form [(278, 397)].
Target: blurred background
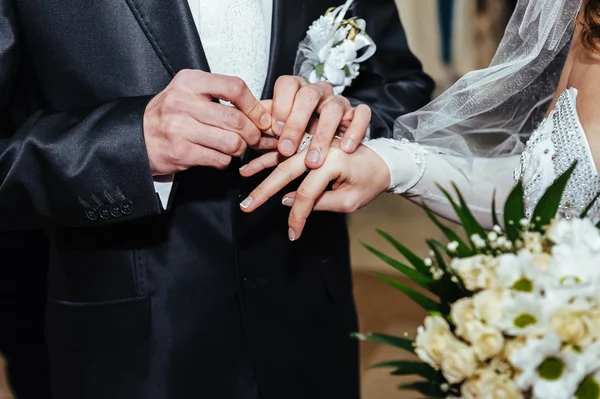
[(451, 37)]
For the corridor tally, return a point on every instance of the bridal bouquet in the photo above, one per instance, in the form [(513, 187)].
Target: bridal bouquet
[(516, 312)]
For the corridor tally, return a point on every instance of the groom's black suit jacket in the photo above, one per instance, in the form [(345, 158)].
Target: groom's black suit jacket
[(200, 300)]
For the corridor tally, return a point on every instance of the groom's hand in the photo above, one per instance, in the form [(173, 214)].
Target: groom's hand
[(183, 127), (299, 108)]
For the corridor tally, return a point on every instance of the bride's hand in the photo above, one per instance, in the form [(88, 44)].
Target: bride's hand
[(358, 178)]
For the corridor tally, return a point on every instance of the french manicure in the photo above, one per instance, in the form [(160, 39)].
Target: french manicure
[(287, 147), (289, 201), (247, 202), (278, 128), (348, 144), (291, 234), (313, 156), (243, 167)]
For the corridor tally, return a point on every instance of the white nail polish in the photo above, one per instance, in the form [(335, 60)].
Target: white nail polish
[(291, 234), (288, 201), (243, 167), (247, 202)]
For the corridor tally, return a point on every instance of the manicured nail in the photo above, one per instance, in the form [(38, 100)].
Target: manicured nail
[(348, 144), (313, 156), (291, 234), (265, 120), (243, 167), (289, 201), (278, 128), (287, 147), (247, 202)]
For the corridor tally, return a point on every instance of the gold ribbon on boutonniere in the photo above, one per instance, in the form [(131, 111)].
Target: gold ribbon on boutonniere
[(333, 49)]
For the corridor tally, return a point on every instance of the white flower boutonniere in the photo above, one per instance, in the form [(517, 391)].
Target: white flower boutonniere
[(333, 49)]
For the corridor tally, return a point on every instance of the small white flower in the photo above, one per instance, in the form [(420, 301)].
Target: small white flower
[(428, 262), (523, 314), (518, 272), (551, 372), (497, 229), (492, 236), (453, 246), (478, 241)]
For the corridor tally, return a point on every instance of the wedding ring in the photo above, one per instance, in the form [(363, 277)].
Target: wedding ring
[(305, 142)]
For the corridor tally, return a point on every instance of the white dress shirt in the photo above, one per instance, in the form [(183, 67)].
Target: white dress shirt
[(236, 37)]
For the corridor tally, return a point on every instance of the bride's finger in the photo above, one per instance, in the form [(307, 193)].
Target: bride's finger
[(311, 189), (265, 161), (283, 175), (266, 143)]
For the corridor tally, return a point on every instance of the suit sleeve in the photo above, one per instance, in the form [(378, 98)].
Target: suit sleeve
[(392, 82), (74, 168)]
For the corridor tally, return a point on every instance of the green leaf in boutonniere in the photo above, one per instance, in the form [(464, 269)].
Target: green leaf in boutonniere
[(426, 303), (397, 342), (414, 275), (320, 69), (347, 71), (514, 211), (548, 205)]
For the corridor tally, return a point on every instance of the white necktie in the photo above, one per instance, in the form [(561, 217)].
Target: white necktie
[(234, 39)]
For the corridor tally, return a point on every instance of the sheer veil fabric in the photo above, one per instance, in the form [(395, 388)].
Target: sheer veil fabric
[(493, 111)]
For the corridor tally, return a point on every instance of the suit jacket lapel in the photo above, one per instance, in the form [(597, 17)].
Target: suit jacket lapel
[(287, 32), (170, 29)]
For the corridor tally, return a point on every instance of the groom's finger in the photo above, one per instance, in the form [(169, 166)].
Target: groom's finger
[(284, 94), (305, 103), (357, 130)]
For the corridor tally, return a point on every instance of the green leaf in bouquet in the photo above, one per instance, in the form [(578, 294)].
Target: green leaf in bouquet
[(494, 212), (589, 207), (397, 342), (514, 211), (414, 260), (428, 388), (468, 221), (425, 302), (439, 250), (410, 367), (463, 250), (547, 207), (422, 280), (450, 287)]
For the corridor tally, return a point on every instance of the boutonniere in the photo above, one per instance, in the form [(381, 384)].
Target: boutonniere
[(334, 48)]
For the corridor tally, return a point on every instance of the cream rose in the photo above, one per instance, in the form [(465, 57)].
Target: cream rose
[(486, 341), (572, 327), (476, 272), (458, 362), (489, 385), (432, 340), (463, 312), (488, 304)]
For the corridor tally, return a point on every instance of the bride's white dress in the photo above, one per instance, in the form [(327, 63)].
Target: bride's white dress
[(558, 142)]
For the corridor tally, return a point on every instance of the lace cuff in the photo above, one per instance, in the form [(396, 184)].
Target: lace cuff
[(406, 161)]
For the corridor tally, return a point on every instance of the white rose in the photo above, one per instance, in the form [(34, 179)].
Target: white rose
[(432, 340), (477, 272), (487, 341), (463, 312), (488, 304), (573, 327), (458, 362)]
